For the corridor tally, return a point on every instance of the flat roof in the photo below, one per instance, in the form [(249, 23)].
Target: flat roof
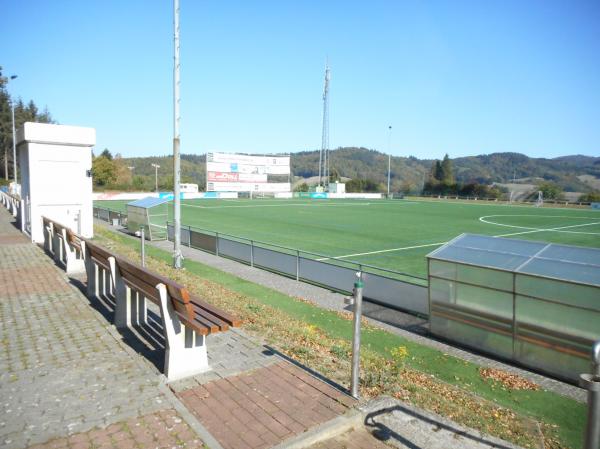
[(148, 202), (565, 262)]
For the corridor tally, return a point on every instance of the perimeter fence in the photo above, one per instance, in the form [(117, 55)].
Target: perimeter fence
[(391, 288)]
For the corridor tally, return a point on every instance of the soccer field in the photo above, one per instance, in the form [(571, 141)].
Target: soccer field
[(392, 234)]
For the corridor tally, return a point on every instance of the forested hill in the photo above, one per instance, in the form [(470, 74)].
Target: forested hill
[(370, 164)]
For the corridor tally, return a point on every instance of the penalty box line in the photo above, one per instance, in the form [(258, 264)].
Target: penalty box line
[(530, 231)]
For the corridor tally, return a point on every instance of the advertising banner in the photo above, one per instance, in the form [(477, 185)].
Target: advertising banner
[(234, 167), (236, 177), (248, 160), (248, 186)]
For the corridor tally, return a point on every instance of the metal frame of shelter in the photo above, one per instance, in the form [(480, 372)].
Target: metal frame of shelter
[(532, 302), (150, 213)]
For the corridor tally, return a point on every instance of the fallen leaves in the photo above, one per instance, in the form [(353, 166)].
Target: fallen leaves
[(508, 380)]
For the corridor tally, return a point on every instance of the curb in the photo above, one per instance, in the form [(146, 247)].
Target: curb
[(348, 421)]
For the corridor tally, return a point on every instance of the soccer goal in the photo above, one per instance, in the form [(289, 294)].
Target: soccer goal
[(540, 199)]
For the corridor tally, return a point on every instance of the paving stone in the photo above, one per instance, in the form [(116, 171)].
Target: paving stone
[(162, 429), (63, 372), (257, 409)]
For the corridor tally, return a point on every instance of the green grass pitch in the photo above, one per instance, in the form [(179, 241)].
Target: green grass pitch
[(392, 234)]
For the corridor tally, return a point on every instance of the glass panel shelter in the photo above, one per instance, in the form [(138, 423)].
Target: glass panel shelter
[(150, 213), (532, 302)]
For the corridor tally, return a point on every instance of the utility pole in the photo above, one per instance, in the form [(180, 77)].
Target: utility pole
[(325, 133), (156, 167), (14, 139), (389, 158), (177, 257)]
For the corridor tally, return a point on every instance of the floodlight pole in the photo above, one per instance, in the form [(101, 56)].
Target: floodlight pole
[(156, 167), (389, 158), (177, 257), (12, 107), (14, 139)]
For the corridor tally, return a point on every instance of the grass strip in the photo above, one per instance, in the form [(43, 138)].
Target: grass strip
[(425, 369)]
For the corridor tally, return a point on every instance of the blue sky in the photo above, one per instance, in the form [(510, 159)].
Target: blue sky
[(459, 77)]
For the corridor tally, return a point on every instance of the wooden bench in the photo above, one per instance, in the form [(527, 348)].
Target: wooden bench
[(187, 320), (64, 244), (97, 262)]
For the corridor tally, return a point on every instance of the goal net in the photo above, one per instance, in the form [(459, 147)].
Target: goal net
[(540, 200)]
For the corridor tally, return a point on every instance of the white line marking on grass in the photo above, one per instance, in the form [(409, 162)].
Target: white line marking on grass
[(381, 251), (279, 205), (529, 231)]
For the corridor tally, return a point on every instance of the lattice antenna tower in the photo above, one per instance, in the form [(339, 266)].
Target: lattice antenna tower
[(324, 156)]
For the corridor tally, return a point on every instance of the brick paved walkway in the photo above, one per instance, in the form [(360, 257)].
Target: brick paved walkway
[(263, 407), (61, 371), (68, 380)]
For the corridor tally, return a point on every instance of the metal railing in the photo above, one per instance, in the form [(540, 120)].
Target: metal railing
[(389, 287), (109, 215), (393, 288)]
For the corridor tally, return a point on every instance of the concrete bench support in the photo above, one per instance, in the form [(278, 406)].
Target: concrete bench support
[(130, 305), (185, 352)]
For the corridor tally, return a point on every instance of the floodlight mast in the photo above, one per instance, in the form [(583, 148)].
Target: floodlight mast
[(14, 139), (389, 158), (324, 157), (177, 257), (156, 167)]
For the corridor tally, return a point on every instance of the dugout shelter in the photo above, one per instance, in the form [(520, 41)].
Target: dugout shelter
[(535, 303), (151, 214)]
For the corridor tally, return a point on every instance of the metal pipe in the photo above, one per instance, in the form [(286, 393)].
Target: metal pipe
[(177, 256), (143, 242), (12, 107), (358, 291), (591, 382)]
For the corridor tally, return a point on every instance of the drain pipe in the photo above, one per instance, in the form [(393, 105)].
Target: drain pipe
[(591, 382)]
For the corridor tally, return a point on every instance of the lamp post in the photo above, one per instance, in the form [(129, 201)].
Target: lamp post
[(389, 159), (156, 167), (177, 256), (14, 139)]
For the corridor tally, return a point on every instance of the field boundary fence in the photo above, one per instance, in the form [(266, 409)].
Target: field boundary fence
[(387, 287), (111, 216), (391, 288)]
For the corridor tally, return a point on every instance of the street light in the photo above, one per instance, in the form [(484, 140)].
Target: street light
[(389, 158), (14, 137), (156, 167)]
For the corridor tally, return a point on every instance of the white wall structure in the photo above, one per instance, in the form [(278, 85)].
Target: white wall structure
[(56, 164)]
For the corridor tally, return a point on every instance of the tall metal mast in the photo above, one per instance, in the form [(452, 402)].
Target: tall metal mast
[(325, 135), (177, 257)]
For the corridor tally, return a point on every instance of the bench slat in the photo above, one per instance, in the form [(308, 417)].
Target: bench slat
[(216, 312)]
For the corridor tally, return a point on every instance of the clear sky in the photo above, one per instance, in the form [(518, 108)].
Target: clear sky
[(463, 77)]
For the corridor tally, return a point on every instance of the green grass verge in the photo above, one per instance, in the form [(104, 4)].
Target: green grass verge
[(550, 408)]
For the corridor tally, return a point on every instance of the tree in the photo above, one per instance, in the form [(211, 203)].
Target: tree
[(334, 175), (550, 190), (438, 171), (107, 154), (302, 187), (591, 197), (446, 174), (29, 113), (103, 171)]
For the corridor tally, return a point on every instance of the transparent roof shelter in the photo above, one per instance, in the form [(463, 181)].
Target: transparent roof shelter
[(150, 213), (534, 302)]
